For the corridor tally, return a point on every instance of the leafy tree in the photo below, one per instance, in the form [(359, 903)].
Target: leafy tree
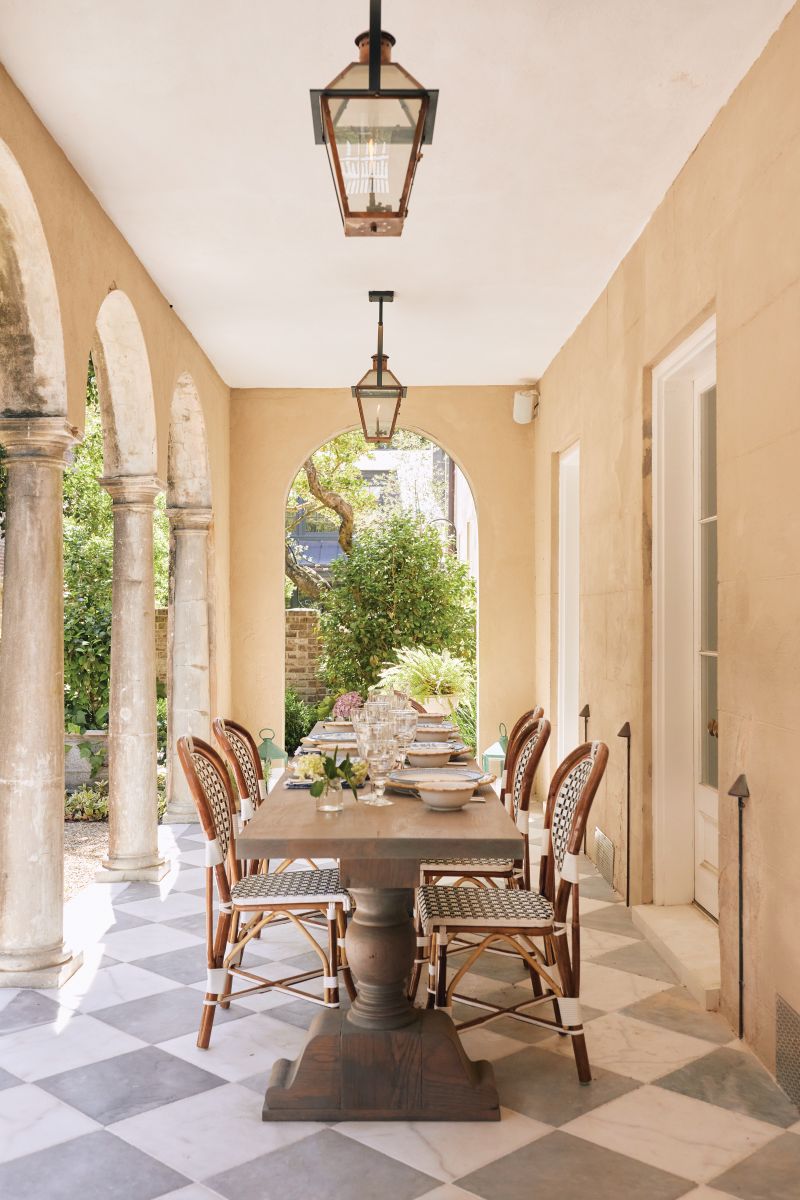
[(398, 587)]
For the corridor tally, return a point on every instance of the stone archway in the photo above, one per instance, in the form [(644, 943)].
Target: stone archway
[(129, 456), (189, 640), (36, 438)]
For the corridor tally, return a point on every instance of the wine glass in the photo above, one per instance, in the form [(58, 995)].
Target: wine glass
[(380, 754), (405, 729)]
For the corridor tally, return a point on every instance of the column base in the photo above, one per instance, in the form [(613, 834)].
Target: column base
[(417, 1073), (54, 976), (111, 872), (175, 815)]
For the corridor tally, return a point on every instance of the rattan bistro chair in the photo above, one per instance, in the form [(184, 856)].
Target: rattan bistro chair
[(533, 924), (246, 904), (239, 750), (521, 728)]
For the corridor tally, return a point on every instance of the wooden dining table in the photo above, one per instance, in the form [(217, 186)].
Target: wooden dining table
[(383, 1058)]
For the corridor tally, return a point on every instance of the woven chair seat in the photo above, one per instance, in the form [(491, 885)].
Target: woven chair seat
[(469, 864), (308, 887), (459, 906)]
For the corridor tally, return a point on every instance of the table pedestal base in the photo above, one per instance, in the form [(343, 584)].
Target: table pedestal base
[(346, 1072)]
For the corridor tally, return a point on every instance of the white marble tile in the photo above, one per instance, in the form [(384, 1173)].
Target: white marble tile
[(190, 879), (634, 1048), (241, 1048), (130, 944), (608, 989), (88, 991), (72, 1041), (31, 1120), (700, 1193), (7, 995), (589, 905), (448, 1191), (483, 1042), (595, 942), (673, 1132), (194, 858), (188, 1134), (195, 1191), (447, 1149), (165, 908)]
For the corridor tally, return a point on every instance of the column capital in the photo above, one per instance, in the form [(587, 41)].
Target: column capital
[(181, 519), (45, 439), (133, 491)]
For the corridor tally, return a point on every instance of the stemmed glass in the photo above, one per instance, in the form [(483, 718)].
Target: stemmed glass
[(380, 753), (405, 730)]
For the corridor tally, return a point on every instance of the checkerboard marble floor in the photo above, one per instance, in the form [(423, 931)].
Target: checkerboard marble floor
[(103, 1093)]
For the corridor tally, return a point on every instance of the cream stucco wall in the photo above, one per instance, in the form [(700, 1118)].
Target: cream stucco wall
[(273, 431), (725, 240), (90, 258)]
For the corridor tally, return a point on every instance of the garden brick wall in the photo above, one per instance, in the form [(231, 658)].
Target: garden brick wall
[(303, 654), (161, 645)]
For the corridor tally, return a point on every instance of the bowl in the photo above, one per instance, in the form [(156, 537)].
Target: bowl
[(435, 733), (445, 797), (436, 754)]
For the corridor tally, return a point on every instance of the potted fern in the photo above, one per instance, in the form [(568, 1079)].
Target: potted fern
[(436, 679)]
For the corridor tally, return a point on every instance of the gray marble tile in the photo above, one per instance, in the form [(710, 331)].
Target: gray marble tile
[(594, 887), (523, 1031), (163, 1016), (97, 1166), (495, 966), (638, 959), (137, 891), (680, 1012), (28, 1008), (614, 918), (325, 1166), (545, 1086), (734, 1080), (129, 1084), (772, 1173), (185, 966), (125, 920), (8, 1080), (194, 923), (570, 1168)]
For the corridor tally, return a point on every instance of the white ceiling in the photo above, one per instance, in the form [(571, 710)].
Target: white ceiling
[(561, 124)]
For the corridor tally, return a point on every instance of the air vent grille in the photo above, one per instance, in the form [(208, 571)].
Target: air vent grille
[(787, 1045), (604, 855)]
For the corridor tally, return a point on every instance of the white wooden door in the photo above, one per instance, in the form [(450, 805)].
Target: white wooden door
[(706, 794)]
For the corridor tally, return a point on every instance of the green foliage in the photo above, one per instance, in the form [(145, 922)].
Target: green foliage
[(88, 570), (91, 803), (466, 716), (396, 588), (161, 728), (299, 720), (337, 471), (421, 672), (3, 482)]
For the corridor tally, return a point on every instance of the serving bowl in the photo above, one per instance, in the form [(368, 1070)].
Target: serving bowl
[(446, 797), (429, 754), (428, 732)]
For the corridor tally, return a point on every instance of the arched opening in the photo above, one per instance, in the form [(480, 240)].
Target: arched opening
[(35, 438), (349, 510), (189, 664)]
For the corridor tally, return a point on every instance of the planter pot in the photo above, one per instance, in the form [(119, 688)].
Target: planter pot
[(443, 706), (77, 769)]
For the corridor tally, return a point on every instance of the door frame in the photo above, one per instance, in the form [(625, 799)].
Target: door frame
[(569, 599), (674, 601)]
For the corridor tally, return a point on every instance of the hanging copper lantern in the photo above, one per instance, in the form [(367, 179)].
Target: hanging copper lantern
[(379, 392), (373, 118)]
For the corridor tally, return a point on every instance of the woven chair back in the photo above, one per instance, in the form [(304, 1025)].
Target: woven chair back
[(241, 753), (569, 800), (211, 790)]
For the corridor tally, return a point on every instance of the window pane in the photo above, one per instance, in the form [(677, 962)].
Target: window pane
[(708, 732), (708, 453), (708, 586)]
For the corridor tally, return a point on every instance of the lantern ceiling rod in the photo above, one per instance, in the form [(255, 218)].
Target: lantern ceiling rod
[(375, 47), (379, 298)]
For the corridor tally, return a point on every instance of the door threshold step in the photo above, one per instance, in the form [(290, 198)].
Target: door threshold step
[(688, 941)]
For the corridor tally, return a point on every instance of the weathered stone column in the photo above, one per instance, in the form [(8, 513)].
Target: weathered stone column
[(188, 690), (32, 951), (132, 807)]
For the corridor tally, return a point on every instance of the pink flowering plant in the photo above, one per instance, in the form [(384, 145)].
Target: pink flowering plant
[(346, 705)]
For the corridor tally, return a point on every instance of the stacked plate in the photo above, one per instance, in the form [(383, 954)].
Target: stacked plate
[(445, 789), (434, 754)]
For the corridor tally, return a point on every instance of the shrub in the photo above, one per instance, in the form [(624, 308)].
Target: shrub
[(299, 720), (91, 803), (398, 587), (420, 673)]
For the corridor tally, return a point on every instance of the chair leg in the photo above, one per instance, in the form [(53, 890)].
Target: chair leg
[(332, 993), (568, 987), (210, 1001), (441, 972), (347, 974), (233, 938), (431, 984), (419, 961)]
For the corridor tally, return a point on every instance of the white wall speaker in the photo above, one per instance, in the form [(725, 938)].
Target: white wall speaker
[(524, 406)]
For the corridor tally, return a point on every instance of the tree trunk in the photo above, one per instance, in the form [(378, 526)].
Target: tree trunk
[(332, 500), (307, 581)]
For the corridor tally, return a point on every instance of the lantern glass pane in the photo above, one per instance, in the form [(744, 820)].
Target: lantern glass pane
[(374, 139), (378, 414)]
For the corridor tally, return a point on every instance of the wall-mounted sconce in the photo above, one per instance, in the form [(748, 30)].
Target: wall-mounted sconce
[(526, 406)]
